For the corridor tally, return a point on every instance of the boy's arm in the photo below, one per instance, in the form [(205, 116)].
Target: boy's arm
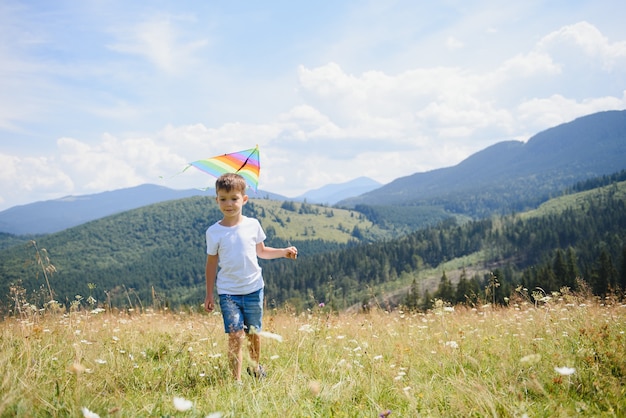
[(269, 253), (210, 274)]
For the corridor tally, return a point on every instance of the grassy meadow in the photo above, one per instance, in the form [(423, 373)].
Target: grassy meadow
[(335, 224), (564, 357)]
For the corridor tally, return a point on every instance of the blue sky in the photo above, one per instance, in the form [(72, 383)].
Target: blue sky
[(99, 95)]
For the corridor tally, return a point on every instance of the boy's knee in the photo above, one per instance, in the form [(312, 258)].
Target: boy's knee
[(236, 335)]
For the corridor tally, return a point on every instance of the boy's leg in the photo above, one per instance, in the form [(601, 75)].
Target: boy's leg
[(254, 344), (235, 352), (232, 312), (253, 318)]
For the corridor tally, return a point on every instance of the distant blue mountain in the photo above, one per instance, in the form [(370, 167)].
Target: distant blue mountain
[(55, 215), (333, 193), (513, 175)]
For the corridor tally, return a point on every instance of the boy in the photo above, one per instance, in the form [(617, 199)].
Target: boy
[(234, 243)]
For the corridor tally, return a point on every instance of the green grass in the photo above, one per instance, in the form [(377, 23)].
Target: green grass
[(443, 363), (326, 223), (577, 200)]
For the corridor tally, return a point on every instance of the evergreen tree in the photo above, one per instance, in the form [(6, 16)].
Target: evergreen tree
[(427, 301), (475, 287), (412, 298), (356, 233), (445, 291), (622, 273), (572, 268), (288, 205), (604, 276), (559, 267), (462, 293)]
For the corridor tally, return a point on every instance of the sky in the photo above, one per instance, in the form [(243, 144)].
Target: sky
[(98, 95)]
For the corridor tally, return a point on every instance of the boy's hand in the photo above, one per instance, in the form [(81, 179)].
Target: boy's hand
[(209, 305), (292, 252)]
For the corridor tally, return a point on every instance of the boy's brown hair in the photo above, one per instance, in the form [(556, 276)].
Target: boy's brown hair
[(229, 182)]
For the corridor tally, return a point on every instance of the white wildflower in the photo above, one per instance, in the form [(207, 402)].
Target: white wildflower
[(530, 359), (306, 328), (565, 371), (182, 404), (271, 335), (88, 414)]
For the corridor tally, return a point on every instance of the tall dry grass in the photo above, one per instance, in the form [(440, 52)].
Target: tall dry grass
[(565, 357)]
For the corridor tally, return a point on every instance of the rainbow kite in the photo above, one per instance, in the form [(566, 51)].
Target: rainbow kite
[(245, 163)]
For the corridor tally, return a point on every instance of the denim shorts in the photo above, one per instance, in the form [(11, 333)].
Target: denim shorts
[(242, 311)]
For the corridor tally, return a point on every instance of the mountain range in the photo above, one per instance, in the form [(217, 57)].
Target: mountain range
[(333, 193), (505, 177), (55, 215), (513, 175)]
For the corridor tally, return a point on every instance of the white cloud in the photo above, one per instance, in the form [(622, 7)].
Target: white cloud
[(115, 163), (454, 43), (304, 122), (569, 41), (159, 41), (522, 66), (440, 102), (556, 109), (20, 177), (378, 97)]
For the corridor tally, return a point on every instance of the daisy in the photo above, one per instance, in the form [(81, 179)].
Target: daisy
[(88, 414), (182, 404), (530, 359), (565, 371)]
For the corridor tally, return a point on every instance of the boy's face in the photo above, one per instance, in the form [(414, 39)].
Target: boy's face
[(231, 202)]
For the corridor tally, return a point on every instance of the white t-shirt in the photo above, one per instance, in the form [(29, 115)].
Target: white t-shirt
[(239, 272)]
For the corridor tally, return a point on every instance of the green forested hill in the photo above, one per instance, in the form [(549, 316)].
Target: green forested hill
[(161, 247), (156, 254), (579, 235)]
